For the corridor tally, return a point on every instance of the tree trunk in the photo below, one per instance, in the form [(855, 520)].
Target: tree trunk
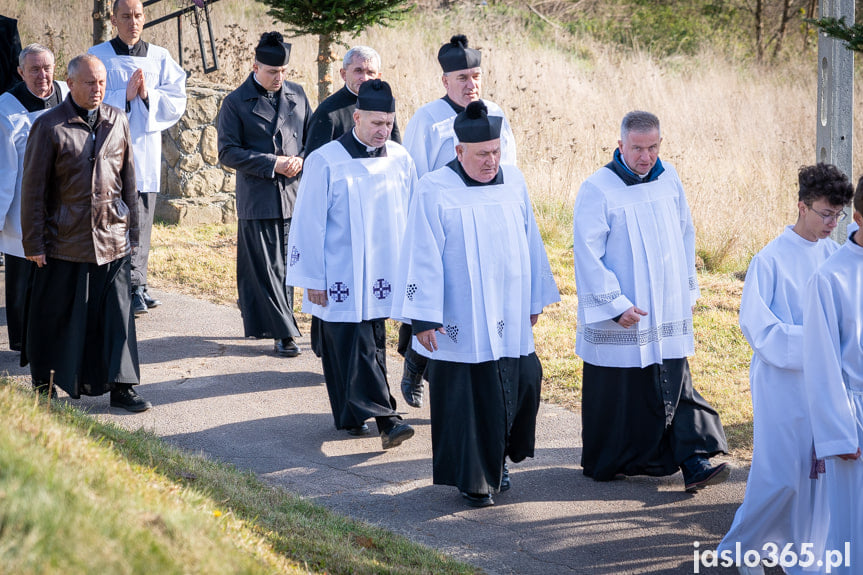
[(759, 30), (783, 25), (810, 13), (102, 27), (325, 60)]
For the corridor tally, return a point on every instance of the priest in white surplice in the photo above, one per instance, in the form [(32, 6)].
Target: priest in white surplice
[(150, 86), (634, 250), (344, 246), (784, 499), (474, 279), (833, 374), (25, 102), (431, 141)]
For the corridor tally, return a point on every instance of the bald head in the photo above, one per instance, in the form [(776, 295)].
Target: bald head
[(86, 79), (128, 18)]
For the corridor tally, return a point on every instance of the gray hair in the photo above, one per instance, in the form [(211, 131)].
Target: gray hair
[(364, 54), (638, 121), (75, 64), (32, 49)]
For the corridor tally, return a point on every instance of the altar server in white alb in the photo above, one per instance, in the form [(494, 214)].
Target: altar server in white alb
[(473, 281), (634, 250), (344, 246), (25, 102), (150, 86), (833, 372), (784, 501), (431, 141)]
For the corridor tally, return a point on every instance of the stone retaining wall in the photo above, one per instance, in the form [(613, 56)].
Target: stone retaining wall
[(196, 189)]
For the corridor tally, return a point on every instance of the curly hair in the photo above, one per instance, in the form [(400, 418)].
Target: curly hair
[(824, 181)]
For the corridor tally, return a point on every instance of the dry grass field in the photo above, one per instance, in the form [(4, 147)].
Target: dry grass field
[(736, 132)]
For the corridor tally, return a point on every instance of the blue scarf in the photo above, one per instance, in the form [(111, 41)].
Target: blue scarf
[(628, 176)]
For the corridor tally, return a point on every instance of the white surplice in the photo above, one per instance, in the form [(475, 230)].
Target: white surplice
[(15, 122), (347, 230), (634, 245), (166, 95), (474, 262), (833, 373), (431, 140), (782, 504)]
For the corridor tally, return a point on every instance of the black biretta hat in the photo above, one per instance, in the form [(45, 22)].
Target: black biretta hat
[(375, 96), (475, 125), (272, 51), (457, 56)]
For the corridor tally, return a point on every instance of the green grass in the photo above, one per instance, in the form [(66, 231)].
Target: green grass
[(187, 260), (81, 496)]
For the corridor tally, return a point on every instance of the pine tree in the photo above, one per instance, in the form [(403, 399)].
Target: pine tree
[(851, 36), (329, 19)]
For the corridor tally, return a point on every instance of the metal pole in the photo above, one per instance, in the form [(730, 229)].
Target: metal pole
[(835, 99)]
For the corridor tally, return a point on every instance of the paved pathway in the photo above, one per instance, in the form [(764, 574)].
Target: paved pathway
[(232, 399)]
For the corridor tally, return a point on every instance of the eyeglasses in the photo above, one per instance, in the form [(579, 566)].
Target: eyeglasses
[(829, 218)]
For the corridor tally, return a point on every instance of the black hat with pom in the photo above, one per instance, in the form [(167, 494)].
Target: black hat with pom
[(455, 55), (272, 51), (475, 125), (376, 96)]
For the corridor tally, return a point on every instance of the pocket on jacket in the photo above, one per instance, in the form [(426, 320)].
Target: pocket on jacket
[(118, 212), (73, 220)]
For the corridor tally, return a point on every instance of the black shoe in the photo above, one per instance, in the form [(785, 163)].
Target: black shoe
[(477, 499), (41, 387), (396, 436), (286, 347), (139, 307), (412, 385), (359, 431), (505, 483), (698, 473), (124, 396), (150, 302)]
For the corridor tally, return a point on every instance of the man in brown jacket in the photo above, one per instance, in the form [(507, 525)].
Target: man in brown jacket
[(78, 183)]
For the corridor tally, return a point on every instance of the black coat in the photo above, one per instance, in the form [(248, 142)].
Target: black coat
[(334, 117), (250, 138), (10, 47)]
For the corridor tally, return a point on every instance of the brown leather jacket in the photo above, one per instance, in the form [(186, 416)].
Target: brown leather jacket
[(78, 197)]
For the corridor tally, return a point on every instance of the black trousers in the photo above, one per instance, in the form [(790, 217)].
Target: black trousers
[(79, 324), (418, 362), (141, 254)]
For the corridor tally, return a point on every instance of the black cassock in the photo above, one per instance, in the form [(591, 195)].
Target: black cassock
[(355, 370), (645, 421), (480, 414), (79, 322), (266, 303), (18, 274)]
